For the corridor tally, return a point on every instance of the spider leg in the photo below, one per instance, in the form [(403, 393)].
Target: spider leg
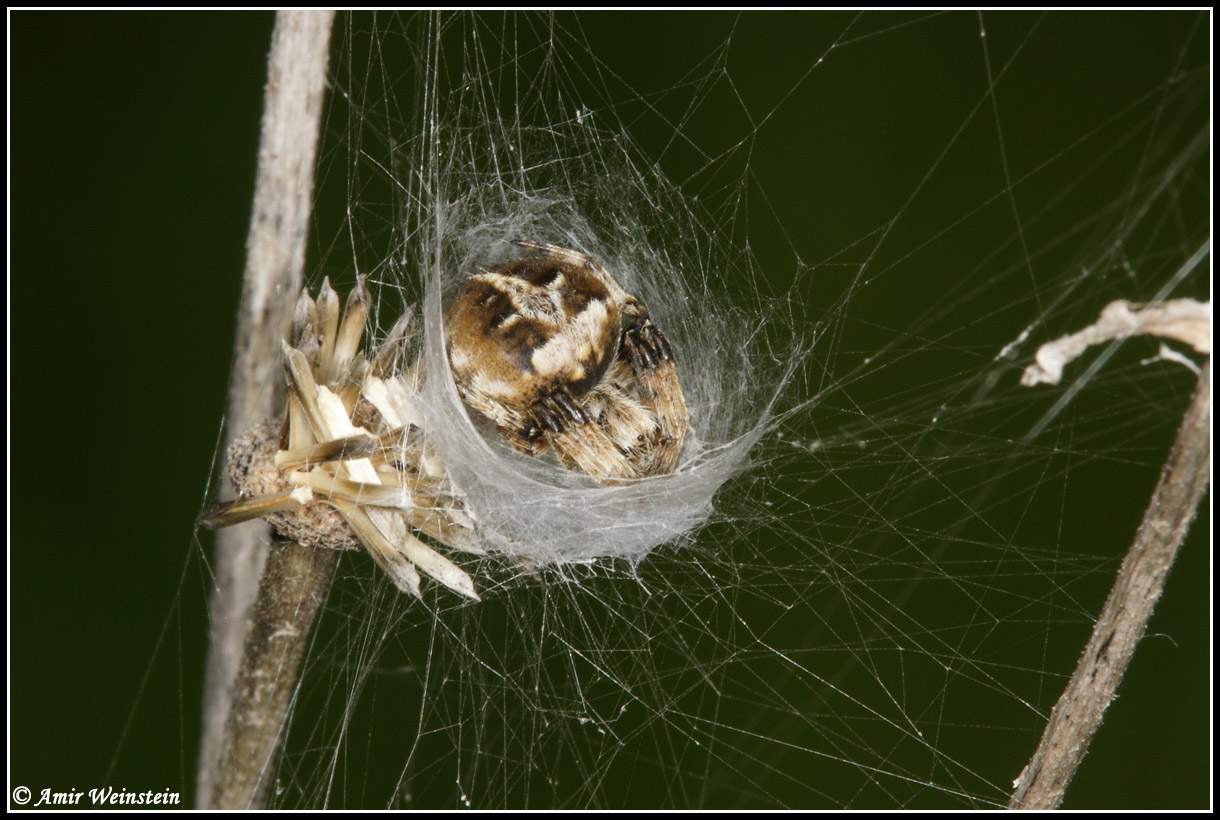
[(570, 409), (549, 417), (555, 252), (577, 438), (651, 359), (645, 344)]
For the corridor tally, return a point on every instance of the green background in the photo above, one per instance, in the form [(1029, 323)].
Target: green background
[(133, 139)]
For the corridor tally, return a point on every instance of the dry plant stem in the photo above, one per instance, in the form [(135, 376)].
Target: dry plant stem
[(296, 82), (1141, 579), (294, 585)]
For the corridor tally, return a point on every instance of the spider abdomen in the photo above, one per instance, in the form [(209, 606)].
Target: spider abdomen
[(522, 330)]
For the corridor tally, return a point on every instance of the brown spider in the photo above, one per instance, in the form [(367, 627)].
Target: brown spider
[(558, 356)]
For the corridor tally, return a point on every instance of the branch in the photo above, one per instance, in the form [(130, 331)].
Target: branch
[(292, 108), (1137, 589), (294, 584)]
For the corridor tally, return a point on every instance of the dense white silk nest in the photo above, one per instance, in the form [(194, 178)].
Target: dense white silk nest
[(533, 508)]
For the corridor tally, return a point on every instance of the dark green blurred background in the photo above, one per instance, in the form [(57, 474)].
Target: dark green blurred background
[(133, 139)]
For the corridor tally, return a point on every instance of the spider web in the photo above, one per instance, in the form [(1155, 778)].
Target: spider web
[(859, 229)]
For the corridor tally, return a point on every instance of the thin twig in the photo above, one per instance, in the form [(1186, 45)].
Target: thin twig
[(296, 81), (294, 584), (1077, 715)]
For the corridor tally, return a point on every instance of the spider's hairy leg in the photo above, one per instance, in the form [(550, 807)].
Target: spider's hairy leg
[(643, 342), (554, 251), (514, 424), (624, 418), (661, 388), (578, 439), (651, 360)]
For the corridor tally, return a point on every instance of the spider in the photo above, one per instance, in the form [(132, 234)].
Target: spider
[(552, 350), (559, 357)]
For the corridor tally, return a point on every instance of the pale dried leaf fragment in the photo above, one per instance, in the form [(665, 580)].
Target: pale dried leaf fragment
[(391, 349), (1184, 320), (328, 328), (396, 537), (375, 390), (355, 314)]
